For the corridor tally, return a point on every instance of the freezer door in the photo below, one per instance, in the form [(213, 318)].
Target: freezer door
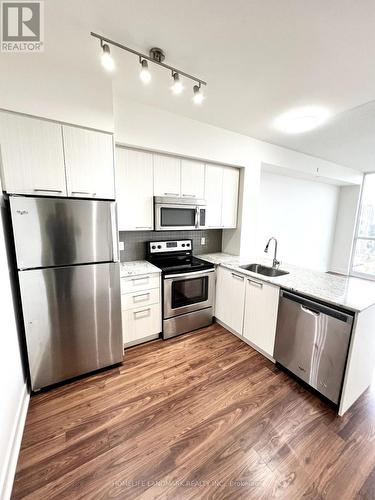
[(72, 318), (312, 342), (55, 231)]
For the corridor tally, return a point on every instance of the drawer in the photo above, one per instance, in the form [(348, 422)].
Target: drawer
[(141, 323), (144, 282), (141, 298)]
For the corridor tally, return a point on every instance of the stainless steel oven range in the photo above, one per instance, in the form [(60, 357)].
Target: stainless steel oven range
[(188, 286)]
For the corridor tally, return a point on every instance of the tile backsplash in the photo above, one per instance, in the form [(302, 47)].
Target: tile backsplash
[(135, 241)]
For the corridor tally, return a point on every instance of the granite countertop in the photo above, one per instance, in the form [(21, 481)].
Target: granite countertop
[(136, 268), (355, 294)]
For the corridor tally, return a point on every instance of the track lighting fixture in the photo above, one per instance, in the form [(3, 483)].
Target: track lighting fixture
[(177, 86), (156, 56), (107, 62), (144, 74), (198, 96)]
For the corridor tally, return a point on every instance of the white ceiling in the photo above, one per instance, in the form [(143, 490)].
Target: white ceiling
[(259, 57)]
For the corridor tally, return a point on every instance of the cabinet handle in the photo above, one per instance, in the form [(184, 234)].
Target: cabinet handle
[(189, 195), (143, 227), (171, 194), (143, 278), (48, 190), (83, 192), (252, 282), (143, 311), (237, 276), (135, 297)]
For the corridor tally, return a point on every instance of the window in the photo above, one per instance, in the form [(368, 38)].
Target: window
[(363, 261)]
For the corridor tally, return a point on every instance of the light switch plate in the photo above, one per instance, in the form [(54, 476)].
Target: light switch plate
[(121, 245), (203, 240)]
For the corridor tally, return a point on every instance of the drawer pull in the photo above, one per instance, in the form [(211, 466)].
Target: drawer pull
[(237, 276), (257, 283), (136, 313), (189, 195), (48, 190), (171, 194), (83, 192), (138, 298), (141, 279), (143, 227)]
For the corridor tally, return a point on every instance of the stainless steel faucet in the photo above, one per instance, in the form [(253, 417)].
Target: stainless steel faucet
[(275, 262)]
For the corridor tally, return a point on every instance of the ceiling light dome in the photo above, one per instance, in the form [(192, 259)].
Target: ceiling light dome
[(299, 120)]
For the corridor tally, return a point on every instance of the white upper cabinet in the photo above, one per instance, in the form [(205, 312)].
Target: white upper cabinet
[(221, 194), (213, 195), (134, 187), (261, 306), (192, 179), (167, 175), (230, 298), (89, 163), (31, 156), (230, 197)]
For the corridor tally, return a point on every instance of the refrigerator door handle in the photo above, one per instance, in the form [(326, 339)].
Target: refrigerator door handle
[(114, 232)]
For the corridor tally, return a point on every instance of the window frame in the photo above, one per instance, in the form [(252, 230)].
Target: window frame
[(356, 236)]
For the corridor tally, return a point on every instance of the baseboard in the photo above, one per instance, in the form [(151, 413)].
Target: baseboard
[(7, 476)]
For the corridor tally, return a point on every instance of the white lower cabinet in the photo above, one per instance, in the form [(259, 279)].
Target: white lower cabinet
[(230, 298), (248, 307), (141, 308), (261, 306)]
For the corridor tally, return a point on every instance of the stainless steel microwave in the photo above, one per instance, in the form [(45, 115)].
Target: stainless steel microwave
[(172, 213)]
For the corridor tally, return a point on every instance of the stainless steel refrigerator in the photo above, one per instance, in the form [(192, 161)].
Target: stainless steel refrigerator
[(67, 260)]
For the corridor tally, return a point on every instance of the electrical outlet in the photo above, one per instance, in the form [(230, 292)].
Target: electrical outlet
[(203, 240), (121, 245)]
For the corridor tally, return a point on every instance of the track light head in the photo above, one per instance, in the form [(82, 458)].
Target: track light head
[(198, 96), (177, 86), (144, 74), (107, 61)]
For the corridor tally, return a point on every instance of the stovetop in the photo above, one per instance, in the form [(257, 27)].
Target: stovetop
[(175, 257), (180, 263)]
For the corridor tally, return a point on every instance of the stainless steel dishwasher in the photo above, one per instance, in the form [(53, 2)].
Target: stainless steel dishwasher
[(312, 342)]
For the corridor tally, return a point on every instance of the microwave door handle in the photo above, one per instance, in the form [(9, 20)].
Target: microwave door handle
[(197, 217)]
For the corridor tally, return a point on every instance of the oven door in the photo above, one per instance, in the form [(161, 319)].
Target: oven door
[(169, 217), (184, 293)]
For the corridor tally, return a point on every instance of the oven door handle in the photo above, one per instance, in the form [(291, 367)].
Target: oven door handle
[(187, 275)]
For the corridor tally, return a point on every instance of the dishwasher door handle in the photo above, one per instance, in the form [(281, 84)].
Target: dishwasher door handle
[(310, 311)]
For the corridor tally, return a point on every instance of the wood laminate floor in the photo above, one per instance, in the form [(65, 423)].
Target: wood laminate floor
[(199, 416)]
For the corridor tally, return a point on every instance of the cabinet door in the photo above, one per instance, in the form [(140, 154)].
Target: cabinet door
[(230, 197), (213, 195), (230, 297), (31, 156), (134, 190), (167, 175), (261, 306), (192, 179), (89, 163), (141, 323)]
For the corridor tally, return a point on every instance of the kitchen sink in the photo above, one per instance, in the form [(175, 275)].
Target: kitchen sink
[(265, 270)]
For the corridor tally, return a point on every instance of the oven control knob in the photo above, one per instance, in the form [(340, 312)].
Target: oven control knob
[(153, 247), (183, 244), (159, 246), (187, 244)]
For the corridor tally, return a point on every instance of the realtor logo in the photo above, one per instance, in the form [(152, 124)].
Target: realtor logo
[(22, 26)]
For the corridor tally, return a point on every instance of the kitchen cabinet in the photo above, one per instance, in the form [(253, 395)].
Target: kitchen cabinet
[(192, 179), (141, 308), (134, 187), (221, 194), (89, 163), (261, 306), (229, 197), (230, 299), (213, 195), (167, 175), (32, 156)]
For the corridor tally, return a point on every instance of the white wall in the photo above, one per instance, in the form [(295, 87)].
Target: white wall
[(345, 228), (301, 214), (14, 397)]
